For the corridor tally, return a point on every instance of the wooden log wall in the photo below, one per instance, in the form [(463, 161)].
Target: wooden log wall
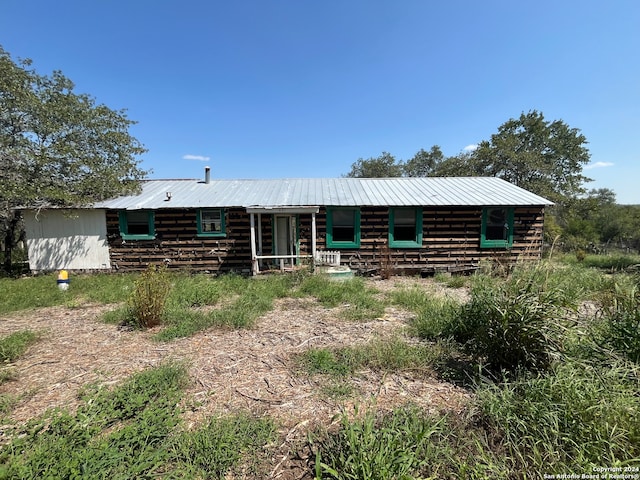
[(178, 245), (451, 241)]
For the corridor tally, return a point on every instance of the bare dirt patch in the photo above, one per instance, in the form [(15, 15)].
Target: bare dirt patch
[(230, 369)]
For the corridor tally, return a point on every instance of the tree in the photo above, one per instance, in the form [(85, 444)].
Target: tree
[(544, 157), (376, 167), (58, 148), (461, 165), (423, 163)]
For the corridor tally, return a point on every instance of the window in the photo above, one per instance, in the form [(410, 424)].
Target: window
[(137, 225), (343, 227), (497, 227), (211, 223), (405, 227)]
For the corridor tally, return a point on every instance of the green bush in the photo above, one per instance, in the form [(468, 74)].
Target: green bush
[(514, 324), (511, 332), (146, 304)]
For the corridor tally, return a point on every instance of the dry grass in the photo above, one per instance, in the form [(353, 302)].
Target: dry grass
[(230, 369)]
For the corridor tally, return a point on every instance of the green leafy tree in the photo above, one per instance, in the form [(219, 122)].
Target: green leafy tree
[(544, 157), (461, 165), (423, 163), (376, 167), (57, 147)]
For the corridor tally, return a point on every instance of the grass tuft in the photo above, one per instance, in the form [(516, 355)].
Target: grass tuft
[(14, 345)]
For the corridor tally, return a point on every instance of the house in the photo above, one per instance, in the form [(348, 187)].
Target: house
[(406, 224)]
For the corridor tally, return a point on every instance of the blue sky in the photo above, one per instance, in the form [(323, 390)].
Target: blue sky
[(284, 88)]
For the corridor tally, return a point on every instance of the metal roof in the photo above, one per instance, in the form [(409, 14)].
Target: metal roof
[(294, 192)]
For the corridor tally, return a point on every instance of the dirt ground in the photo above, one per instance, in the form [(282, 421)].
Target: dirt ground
[(230, 370)]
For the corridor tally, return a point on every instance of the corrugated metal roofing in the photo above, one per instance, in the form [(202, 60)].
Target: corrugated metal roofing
[(293, 192)]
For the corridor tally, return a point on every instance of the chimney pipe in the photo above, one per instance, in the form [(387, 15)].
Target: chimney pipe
[(207, 175)]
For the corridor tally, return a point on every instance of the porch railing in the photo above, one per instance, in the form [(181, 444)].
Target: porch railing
[(281, 259), (321, 257), (327, 257)]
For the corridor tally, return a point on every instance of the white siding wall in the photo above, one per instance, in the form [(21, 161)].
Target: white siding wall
[(73, 240)]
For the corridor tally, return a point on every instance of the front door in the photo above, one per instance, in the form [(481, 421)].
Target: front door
[(285, 238)]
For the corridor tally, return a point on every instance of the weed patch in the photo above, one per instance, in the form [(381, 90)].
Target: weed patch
[(380, 355), (14, 345), (213, 450), (253, 298), (570, 419), (394, 446), (146, 305), (132, 431), (359, 301)]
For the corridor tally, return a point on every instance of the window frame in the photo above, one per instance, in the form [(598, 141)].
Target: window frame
[(124, 225), (417, 242), (199, 223), (492, 243), (355, 243)]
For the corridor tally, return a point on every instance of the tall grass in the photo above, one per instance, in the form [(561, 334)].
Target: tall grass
[(614, 262), (433, 313), (576, 417), (616, 328), (406, 443), (571, 419), (398, 445), (146, 304)]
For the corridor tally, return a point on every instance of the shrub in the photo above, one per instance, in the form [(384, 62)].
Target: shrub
[(147, 301), (512, 325)]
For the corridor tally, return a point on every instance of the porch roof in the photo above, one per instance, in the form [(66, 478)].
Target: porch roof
[(310, 192)]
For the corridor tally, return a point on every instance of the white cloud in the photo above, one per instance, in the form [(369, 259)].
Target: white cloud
[(598, 165), (470, 148), (199, 158)]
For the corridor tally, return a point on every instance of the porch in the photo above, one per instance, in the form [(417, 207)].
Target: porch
[(285, 240)]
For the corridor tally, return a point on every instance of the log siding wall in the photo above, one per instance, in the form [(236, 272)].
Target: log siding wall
[(450, 241)]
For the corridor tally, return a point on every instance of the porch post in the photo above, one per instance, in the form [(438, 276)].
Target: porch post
[(254, 261), (260, 237), (313, 237)]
